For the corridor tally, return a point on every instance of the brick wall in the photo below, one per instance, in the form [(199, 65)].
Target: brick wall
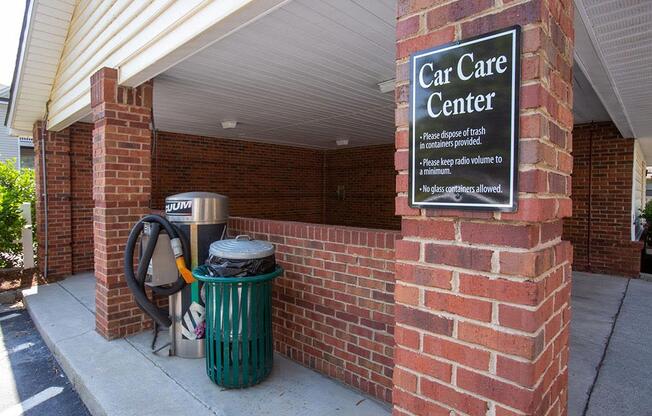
[(368, 201), (262, 180), (365, 177), (483, 298), (70, 204), (81, 180), (334, 306), (600, 228), (57, 156), (281, 182)]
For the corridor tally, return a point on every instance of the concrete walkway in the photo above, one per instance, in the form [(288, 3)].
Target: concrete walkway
[(610, 361), (123, 377), (610, 368)]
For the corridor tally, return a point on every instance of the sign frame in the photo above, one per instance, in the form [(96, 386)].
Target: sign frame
[(512, 206)]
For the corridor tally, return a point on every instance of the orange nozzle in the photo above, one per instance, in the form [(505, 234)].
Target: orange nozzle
[(185, 273)]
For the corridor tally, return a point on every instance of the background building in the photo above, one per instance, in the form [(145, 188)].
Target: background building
[(21, 149)]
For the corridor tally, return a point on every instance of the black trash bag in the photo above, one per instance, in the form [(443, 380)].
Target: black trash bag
[(221, 267)]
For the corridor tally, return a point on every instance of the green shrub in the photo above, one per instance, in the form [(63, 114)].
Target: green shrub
[(16, 187), (646, 213)]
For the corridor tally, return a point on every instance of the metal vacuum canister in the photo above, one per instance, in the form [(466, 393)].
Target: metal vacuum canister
[(202, 218)]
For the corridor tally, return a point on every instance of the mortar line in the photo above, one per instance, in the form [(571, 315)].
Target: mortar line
[(606, 347)]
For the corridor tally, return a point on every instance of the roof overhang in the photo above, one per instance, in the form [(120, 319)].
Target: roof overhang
[(588, 59), (42, 39), (160, 35), (612, 48)]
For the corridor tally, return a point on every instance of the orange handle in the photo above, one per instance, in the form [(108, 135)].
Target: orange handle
[(185, 273)]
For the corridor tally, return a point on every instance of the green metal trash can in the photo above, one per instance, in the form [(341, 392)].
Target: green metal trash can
[(239, 344)]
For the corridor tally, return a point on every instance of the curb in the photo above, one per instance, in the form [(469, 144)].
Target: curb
[(92, 404)]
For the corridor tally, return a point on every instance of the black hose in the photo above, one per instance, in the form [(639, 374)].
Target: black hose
[(136, 282)]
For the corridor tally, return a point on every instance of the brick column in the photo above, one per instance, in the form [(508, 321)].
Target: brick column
[(121, 191), (57, 156), (483, 312)]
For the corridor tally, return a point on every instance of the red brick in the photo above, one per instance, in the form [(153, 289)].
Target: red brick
[(406, 47), (432, 229), (521, 345), (522, 292), (407, 337), (401, 160), (533, 209), (402, 207), (520, 14), (424, 276), (417, 405), (440, 16), (470, 357), (532, 181), (518, 398), (405, 380), (423, 320), (407, 250), (526, 264), (458, 305), (407, 27), (526, 374), (467, 404), (423, 364), (525, 319), (458, 256), (407, 295), (521, 236)]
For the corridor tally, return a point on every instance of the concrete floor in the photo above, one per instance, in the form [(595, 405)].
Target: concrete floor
[(123, 377), (610, 361), (610, 368)]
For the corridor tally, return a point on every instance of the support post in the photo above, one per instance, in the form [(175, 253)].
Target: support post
[(483, 298), (121, 192)]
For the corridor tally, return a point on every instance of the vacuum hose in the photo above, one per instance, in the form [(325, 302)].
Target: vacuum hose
[(136, 281)]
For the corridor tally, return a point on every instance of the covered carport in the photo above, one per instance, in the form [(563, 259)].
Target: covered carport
[(299, 111)]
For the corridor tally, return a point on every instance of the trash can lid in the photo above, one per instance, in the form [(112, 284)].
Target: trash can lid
[(241, 248)]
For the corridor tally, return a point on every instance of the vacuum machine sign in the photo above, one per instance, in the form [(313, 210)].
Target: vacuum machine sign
[(181, 207), (464, 123)]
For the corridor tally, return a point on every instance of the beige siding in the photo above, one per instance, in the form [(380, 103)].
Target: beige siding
[(139, 37), (47, 27)]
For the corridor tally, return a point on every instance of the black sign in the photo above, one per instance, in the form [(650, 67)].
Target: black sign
[(181, 207), (464, 123)]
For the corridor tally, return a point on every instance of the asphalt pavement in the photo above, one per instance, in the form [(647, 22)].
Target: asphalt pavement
[(31, 381)]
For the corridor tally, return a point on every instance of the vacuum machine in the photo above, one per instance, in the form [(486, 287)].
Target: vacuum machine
[(168, 248)]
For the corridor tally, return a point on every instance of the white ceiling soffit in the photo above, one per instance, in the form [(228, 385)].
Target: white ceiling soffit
[(306, 74), (139, 38), (43, 39), (587, 106), (613, 47)]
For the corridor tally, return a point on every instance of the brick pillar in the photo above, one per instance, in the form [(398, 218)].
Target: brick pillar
[(482, 313), (57, 156), (121, 192)]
